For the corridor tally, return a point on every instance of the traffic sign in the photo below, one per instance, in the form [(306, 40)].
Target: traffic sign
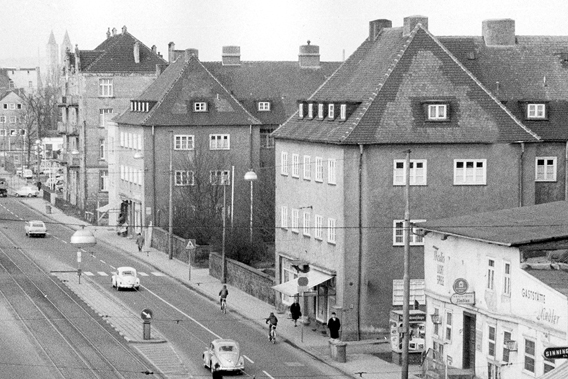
[(303, 281), (146, 314), (556, 352)]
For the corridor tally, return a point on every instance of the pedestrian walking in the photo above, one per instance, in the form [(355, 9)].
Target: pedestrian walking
[(295, 311), (333, 324), (140, 241)]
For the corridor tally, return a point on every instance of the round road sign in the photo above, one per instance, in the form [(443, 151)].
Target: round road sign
[(146, 314), (303, 281)]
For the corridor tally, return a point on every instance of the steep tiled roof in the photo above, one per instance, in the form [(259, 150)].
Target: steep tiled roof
[(391, 77), (116, 54), (185, 81), (529, 70)]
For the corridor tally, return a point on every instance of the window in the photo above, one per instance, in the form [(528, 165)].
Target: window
[(529, 355), (536, 111), (437, 325), (106, 88), (469, 172), (398, 234), (104, 181), (417, 172), (3, 132), (19, 106), (507, 279), (307, 168), (184, 178), (331, 111), (284, 163), (219, 142), (266, 140), (5, 105), (320, 111), (284, 217), (343, 112), (12, 106), (448, 326), (318, 227), (331, 171), (301, 110), (3, 119), (319, 169), (506, 337), (295, 166), (23, 132), (490, 274), (493, 371), (306, 224), (104, 115), (200, 106), (183, 142), (545, 169), (548, 365), (437, 112), (102, 155), (13, 119), (331, 232), (491, 341), (13, 132), (264, 106), (219, 177), (295, 220), (311, 110)]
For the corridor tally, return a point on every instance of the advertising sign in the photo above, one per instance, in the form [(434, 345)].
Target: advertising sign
[(467, 298)]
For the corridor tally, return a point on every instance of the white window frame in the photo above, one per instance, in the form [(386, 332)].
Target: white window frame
[(264, 106), (307, 168), (438, 112), (319, 170), (102, 117), (490, 274), (468, 176), (200, 106), (295, 220), (306, 221), (331, 171), (184, 142), (491, 343), (507, 278), (300, 110), (449, 325), (318, 227), (284, 217), (320, 111), (284, 163), (331, 111), (12, 106), (529, 356), (295, 166), (343, 112), (3, 132), (506, 352), (310, 110), (331, 230), (13, 119), (184, 178), (398, 233), (106, 87), (102, 150), (545, 171), (219, 177), (2, 119), (550, 363), (104, 180), (219, 141), (418, 175), (536, 111)]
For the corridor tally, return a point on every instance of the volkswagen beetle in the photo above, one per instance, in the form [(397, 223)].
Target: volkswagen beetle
[(224, 355), (125, 277)]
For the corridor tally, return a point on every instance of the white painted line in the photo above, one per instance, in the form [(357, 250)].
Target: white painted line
[(248, 359), (142, 274), (102, 273), (156, 273), (88, 273), (267, 374)]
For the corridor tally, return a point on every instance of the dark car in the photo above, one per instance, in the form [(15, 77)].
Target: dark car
[(3, 187)]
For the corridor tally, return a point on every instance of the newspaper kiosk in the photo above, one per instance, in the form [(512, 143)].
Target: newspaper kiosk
[(417, 321)]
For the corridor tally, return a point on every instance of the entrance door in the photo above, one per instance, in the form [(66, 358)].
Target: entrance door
[(469, 341)]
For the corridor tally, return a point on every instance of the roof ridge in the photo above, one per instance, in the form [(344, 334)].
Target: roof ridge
[(111, 44), (478, 82)]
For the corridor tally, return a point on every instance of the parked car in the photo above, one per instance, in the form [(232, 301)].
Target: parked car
[(26, 173), (3, 187), (35, 228), (224, 355), (125, 277), (28, 191)]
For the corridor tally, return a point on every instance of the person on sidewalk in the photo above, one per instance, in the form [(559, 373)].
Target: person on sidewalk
[(295, 311), (333, 324), (140, 241), (223, 295), (272, 321)]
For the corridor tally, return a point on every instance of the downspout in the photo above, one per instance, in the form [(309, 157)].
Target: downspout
[(153, 177), (360, 255), (521, 174), (566, 172)]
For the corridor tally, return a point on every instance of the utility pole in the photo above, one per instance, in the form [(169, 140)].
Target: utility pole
[(406, 277), (171, 200)]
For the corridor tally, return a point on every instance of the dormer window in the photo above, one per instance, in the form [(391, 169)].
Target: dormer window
[(536, 111), (438, 112), (264, 106), (301, 110), (331, 111), (320, 111), (343, 112), (200, 106), (311, 110)]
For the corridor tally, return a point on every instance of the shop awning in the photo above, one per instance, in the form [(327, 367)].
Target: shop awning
[(106, 208), (290, 287)]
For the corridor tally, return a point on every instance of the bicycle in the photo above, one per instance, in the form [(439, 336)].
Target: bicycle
[(224, 305), (272, 333)]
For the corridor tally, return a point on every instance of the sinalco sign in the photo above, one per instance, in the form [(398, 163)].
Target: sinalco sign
[(460, 285)]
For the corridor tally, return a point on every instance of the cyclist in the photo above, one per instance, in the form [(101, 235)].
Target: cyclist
[(272, 321), (223, 295)]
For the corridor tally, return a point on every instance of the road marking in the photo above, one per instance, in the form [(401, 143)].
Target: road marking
[(142, 274), (156, 273), (88, 273), (267, 374), (248, 359), (102, 273)]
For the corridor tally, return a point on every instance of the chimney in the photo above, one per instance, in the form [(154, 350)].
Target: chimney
[(113, 32), (499, 32), (136, 52), (154, 49), (160, 68), (190, 53), (309, 56), (376, 26), (124, 29), (171, 49), (108, 33), (410, 23), (231, 56)]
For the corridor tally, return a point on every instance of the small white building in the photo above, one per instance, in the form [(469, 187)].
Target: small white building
[(496, 288)]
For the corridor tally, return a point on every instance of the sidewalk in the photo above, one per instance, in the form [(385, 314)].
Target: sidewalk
[(362, 356)]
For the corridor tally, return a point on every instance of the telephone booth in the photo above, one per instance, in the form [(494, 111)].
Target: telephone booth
[(417, 323)]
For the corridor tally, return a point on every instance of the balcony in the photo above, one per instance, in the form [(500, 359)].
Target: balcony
[(68, 101), (70, 130)]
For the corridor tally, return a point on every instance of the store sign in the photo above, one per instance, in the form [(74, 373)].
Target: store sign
[(467, 298), (460, 285), (556, 352)]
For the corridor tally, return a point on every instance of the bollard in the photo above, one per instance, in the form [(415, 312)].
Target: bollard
[(146, 330), (48, 208)]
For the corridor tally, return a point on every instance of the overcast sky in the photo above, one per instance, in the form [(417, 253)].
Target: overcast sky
[(265, 29)]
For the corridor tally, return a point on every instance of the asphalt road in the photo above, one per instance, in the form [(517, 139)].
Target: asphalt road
[(186, 319)]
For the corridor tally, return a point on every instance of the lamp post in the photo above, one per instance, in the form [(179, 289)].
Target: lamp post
[(251, 177), (38, 150), (82, 238)]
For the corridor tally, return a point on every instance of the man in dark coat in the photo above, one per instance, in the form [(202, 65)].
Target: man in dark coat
[(295, 311), (333, 324)]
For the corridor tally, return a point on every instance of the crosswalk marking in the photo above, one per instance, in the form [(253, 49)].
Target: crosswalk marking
[(102, 273), (142, 274), (156, 273), (88, 273)]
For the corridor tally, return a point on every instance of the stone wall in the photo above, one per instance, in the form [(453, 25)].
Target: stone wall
[(245, 278), (199, 257)]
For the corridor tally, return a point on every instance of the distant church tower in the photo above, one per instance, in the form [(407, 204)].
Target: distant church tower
[(52, 59), (66, 44)]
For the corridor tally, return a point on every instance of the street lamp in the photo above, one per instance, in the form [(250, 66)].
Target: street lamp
[(251, 177), (82, 238), (38, 152)]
